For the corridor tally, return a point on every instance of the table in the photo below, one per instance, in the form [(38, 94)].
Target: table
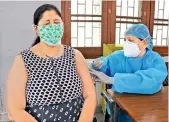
[(144, 108)]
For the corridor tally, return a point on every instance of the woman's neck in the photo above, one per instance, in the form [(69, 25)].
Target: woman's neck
[(51, 51)]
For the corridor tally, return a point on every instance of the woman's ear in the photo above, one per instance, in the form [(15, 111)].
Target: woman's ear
[(35, 27), (145, 43)]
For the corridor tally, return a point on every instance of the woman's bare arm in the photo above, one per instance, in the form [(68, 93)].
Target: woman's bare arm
[(16, 99), (89, 92)]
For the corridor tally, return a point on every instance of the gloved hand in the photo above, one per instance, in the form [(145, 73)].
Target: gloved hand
[(103, 77), (97, 63), (96, 79)]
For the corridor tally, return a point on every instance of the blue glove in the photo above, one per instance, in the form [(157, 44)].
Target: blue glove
[(97, 64)]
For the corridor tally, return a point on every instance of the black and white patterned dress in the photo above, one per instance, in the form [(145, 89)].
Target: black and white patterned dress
[(54, 89)]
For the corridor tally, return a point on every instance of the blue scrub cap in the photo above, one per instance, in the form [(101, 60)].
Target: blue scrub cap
[(140, 31)]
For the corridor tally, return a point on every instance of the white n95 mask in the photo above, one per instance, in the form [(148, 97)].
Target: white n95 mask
[(131, 49)]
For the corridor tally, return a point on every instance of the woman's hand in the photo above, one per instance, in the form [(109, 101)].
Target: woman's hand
[(97, 64), (102, 77)]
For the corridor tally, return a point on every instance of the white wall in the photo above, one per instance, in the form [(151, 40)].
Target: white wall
[(16, 30), (16, 34)]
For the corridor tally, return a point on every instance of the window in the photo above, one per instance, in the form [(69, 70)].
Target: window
[(161, 28), (83, 26), (91, 23), (86, 23), (128, 12)]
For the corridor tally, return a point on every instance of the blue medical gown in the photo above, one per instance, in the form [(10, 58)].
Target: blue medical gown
[(143, 75)]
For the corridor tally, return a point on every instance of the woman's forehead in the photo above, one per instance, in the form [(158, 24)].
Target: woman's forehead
[(130, 37), (50, 14)]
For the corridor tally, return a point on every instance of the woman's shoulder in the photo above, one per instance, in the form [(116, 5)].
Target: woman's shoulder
[(152, 56), (77, 53), (18, 61), (119, 54), (23, 51), (18, 58), (68, 49), (152, 53)]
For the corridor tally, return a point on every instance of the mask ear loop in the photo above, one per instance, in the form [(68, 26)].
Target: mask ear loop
[(143, 47), (147, 42), (37, 33)]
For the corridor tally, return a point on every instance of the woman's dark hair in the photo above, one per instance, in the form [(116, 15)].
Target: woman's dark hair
[(38, 14)]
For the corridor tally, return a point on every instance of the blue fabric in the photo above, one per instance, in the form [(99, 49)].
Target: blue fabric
[(143, 75), (122, 117), (140, 31)]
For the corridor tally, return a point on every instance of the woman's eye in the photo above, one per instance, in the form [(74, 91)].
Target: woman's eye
[(130, 40), (57, 22), (46, 24)]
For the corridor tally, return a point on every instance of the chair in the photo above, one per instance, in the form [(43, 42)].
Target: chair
[(108, 49), (112, 105), (165, 83)]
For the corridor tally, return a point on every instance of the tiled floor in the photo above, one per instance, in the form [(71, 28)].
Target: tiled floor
[(100, 117)]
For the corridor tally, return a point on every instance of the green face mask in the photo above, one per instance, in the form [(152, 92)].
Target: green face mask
[(51, 34)]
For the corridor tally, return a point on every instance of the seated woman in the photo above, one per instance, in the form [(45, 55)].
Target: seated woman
[(50, 82), (135, 69)]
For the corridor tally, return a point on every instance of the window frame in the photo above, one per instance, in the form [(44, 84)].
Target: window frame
[(108, 26)]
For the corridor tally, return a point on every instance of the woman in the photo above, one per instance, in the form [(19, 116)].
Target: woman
[(50, 82), (136, 69)]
